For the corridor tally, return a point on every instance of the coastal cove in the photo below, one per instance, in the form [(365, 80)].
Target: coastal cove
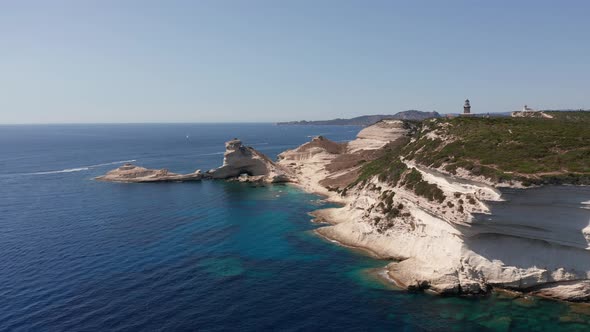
[(212, 255), (546, 217)]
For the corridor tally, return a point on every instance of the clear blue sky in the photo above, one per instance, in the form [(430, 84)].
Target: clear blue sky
[(217, 61)]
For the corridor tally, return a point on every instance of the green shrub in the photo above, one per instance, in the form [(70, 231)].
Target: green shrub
[(496, 147), (414, 181)]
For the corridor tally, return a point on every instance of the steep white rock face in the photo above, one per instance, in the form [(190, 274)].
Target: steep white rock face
[(308, 162), (321, 159), (240, 160), (437, 244), (429, 248), (442, 250), (377, 135)]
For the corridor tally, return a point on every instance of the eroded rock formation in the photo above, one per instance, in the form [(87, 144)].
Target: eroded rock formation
[(427, 221), (246, 163), (240, 163), (322, 166), (133, 173)]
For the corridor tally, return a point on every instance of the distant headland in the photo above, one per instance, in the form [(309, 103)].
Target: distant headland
[(367, 120), (415, 115)]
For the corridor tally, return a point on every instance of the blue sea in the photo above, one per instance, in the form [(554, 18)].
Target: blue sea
[(82, 255)]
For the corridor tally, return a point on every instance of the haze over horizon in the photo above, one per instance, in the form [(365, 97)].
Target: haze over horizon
[(267, 61)]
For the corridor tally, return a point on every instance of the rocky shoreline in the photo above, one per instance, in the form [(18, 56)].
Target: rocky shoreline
[(428, 240), (130, 173), (240, 163), (420, 218), (409, 271)]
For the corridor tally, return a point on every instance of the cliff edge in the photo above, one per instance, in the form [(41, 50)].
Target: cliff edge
[(324, 167), (247, 164), (410, 192)]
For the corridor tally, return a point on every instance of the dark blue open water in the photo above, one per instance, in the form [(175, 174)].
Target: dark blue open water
[(81, 255)]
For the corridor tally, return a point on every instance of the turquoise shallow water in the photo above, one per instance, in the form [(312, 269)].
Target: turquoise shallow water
[(213, 256)]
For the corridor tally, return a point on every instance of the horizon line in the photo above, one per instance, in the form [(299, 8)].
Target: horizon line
[(250, 122)]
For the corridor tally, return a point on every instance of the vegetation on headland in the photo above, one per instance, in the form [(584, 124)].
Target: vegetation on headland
[(414, 181), (526, 150), (390, 169)]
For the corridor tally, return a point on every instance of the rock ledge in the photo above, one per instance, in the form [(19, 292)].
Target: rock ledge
[(240, 162), (137, 174)]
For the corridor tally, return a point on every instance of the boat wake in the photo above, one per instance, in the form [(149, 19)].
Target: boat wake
[(211, 154), (77, 169), (67, 170)]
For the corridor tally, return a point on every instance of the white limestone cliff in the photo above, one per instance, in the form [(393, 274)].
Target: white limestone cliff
[(240, 161), (435, 244), (320, 165)]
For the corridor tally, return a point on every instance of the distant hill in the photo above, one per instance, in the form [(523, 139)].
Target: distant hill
[(367, 120)]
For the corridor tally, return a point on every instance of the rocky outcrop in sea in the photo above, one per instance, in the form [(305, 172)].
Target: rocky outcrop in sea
[(240, 163), (439, 230), (135, 174), (247, 164)]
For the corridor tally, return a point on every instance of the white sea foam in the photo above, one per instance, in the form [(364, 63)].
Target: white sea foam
[(112, 163), (67, 170), (211, 154), (78, 169)]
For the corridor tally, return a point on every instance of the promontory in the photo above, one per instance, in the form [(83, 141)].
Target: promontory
[(413, 192)]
